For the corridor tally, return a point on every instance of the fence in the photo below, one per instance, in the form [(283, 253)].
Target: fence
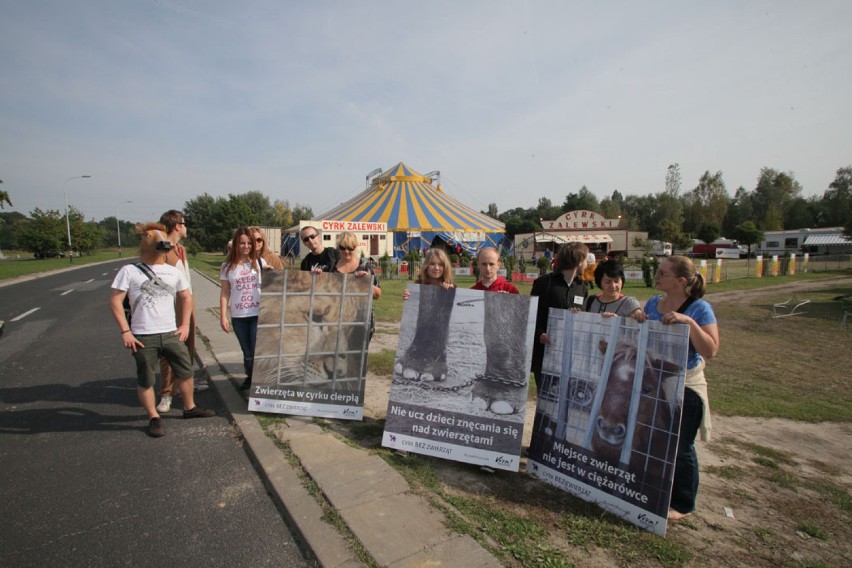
[(732, 269), (746, 268)]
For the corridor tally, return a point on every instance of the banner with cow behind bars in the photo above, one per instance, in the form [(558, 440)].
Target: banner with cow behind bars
[(608, 415)]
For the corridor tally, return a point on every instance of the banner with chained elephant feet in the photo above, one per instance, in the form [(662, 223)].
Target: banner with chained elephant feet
[(461, 376)]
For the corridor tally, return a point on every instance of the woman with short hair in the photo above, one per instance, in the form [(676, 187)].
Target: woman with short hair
[(609, 277)]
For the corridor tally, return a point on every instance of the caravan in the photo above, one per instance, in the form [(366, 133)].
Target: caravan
[(661, 248)]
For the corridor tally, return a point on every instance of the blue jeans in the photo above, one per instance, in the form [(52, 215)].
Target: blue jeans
[(246, 331), (685, 486)]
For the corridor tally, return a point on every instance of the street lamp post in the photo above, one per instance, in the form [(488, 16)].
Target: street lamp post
[(118, 227), (67, 220)]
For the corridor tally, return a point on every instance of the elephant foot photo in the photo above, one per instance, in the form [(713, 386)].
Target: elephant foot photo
[(416, 366), (498, 396)]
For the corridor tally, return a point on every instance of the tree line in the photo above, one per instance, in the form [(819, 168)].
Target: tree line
[(705, 211), (211, 222)]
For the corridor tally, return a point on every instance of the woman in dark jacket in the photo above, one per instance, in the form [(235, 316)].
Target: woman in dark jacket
[(562, 288)]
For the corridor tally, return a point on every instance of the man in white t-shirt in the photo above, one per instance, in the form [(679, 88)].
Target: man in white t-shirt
[(153, 289)]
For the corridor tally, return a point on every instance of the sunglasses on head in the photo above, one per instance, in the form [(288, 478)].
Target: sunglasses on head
[(341, 247), (307, 238)]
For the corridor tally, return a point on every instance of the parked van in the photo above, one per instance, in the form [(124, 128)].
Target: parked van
[(661, 248)]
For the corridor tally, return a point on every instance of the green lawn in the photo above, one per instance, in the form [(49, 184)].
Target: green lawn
[(12, 267)]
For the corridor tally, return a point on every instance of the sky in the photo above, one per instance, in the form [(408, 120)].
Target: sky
[(160, 101)]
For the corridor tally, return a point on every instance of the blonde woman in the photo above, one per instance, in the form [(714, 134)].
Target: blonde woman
[(437, 270), (683, 287), (350, 262)]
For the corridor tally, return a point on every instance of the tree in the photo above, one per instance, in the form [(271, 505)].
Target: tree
[(584, 199), (639, 214), (260, 210), (10, 227), (800, 213), (302, 213), (671, 232), (708, 232), (748, 234), (4, 198), (87, 237), (129, 237), (44, 231), (673, 180), (773, 194), (609, 208), (740, 210), (546, 209), (519, 221), (706, 203), (492, 211), (836, 206)]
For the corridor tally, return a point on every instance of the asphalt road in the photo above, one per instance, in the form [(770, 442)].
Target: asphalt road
[(81, 484)]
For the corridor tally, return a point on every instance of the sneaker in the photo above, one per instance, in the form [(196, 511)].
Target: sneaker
[(201, 386), (198, 412), (165, 404), (155, 428)]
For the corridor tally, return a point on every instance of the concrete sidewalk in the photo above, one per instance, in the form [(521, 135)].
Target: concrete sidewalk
[(394, 526)]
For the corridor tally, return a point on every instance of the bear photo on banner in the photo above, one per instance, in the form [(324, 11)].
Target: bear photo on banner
[(461, 376), (608, 416), (311, 351)]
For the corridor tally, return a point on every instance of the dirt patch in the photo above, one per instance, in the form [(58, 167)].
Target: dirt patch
[(774, 492)]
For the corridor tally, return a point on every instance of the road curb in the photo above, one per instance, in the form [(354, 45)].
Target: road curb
[(319, 541)]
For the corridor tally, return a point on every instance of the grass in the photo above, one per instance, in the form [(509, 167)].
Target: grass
[(27, 265), (791, 368), (516, 532)]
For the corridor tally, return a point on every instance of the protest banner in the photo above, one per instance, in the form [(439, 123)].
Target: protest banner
[(608, 415), (461, 376), (312, 338)]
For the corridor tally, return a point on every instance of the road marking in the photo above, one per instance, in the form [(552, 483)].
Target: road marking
[(25, 314), (67, 292), (89, 280)]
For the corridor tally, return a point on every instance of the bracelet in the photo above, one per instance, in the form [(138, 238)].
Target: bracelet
[(125, 331)]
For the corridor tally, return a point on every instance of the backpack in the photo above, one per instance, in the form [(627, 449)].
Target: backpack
[(128, 309)]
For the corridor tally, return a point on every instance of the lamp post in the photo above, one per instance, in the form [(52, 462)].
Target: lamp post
[(118, 227), (67, 219)]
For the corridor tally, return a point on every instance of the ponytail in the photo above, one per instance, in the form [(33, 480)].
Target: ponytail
[(697, 287)]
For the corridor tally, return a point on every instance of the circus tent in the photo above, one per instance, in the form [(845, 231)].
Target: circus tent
[(418, 213)]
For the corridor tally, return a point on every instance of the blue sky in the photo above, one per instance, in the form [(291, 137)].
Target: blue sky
[(162, 100)]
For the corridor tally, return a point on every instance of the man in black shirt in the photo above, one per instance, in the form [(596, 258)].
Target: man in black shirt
[(320, 259)]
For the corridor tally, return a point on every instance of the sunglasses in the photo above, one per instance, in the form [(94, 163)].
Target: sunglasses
[(349, 249), (258, 240), (307, 238)]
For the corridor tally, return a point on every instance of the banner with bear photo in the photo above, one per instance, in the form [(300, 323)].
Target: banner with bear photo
[(461, 376), (312, 337), (608, 415)]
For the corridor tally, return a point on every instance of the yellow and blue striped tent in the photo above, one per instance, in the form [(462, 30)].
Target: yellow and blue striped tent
[(418, 212)]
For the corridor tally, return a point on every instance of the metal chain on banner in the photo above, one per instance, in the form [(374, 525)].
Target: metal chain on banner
[(479, 377)]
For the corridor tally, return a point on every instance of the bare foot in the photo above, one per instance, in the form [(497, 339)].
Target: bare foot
[(677, 515)]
